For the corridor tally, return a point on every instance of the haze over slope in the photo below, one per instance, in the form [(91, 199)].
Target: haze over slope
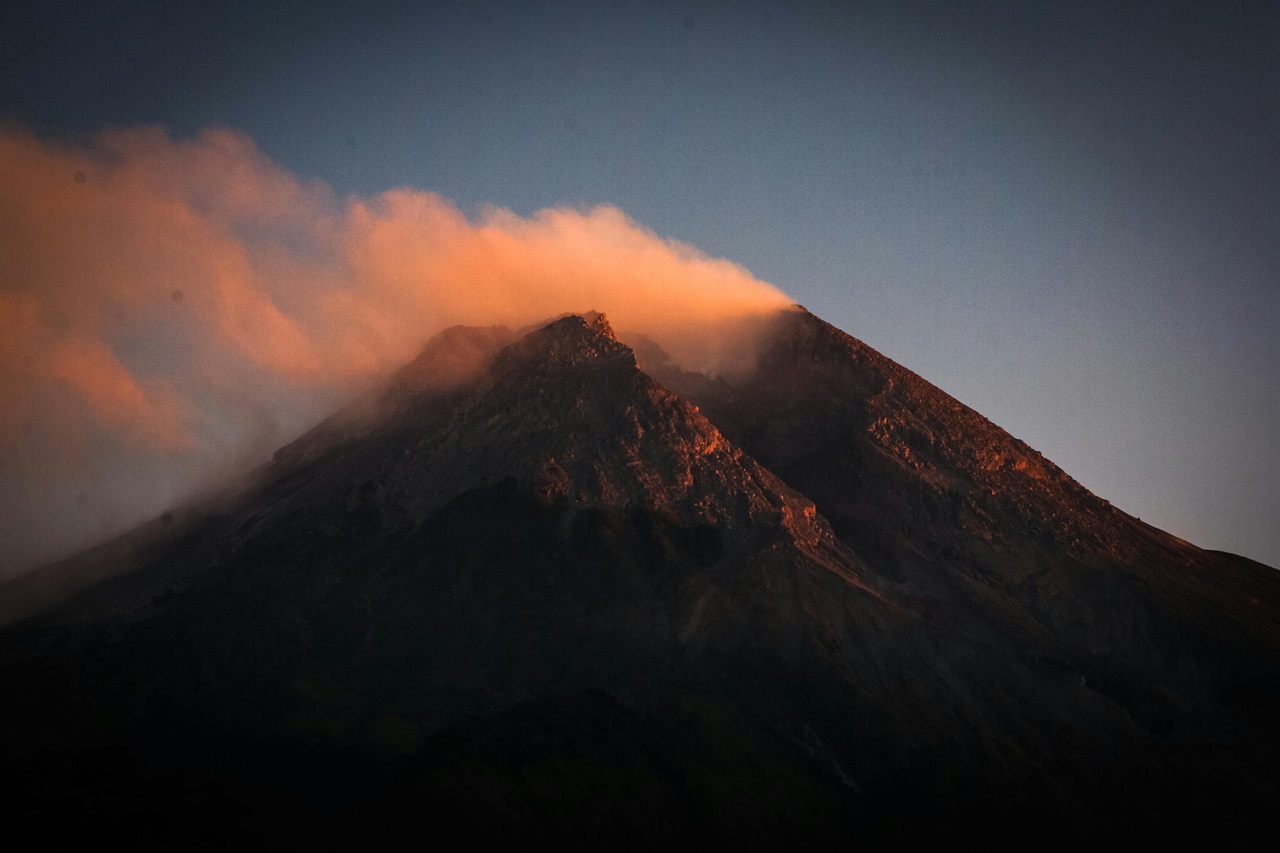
[(172, 311)]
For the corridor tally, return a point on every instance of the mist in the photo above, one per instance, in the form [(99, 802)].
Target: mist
[(171, 311)]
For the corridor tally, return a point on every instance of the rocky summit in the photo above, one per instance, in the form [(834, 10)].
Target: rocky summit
[(535, 587)]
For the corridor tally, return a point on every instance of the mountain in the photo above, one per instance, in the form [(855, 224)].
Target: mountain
[(952, 511), (543, 583)]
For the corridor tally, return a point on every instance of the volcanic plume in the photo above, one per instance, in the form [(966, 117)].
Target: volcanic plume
[(173, 311)]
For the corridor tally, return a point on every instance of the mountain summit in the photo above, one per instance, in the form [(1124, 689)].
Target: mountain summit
[(536, 586)]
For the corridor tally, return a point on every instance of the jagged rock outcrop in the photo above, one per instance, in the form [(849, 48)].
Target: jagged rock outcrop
[(943, 504)]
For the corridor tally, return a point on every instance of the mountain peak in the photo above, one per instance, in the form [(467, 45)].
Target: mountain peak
[(571, 340), (591, 321), (830, 569)]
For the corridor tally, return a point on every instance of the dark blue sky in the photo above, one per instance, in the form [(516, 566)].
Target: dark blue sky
[(1065, 214)]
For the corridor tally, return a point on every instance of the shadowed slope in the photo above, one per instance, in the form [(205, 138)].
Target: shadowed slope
[(958, 520), (529, 584), (553, 522)]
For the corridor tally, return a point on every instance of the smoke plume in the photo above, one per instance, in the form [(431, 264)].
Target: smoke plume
[(171, 311)]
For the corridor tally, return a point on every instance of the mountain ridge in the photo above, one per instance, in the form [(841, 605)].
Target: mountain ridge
[(803, 565)]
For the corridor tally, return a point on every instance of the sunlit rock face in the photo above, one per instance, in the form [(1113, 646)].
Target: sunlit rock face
[(940, 502), (537, 586)]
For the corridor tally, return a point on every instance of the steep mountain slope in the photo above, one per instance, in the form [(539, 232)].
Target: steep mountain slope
[(905, 472), (528, 588), (545, 523), (963, 522)]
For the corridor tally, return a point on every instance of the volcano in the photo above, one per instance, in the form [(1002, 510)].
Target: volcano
[(547, 584)]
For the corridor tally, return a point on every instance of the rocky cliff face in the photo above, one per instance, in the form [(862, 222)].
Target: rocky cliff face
[(529, 586), (942, 504)]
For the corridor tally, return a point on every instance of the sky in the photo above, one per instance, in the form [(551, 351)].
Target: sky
[(1067, 215)]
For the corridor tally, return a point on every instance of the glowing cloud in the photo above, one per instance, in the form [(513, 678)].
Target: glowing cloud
[(170, 311)]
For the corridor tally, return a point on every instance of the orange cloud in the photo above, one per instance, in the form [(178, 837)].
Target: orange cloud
[(171, 305)]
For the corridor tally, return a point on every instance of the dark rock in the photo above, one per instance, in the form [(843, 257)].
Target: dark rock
[(531, 590)]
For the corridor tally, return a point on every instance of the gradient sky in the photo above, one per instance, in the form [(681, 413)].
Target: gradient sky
[(1067, 215)]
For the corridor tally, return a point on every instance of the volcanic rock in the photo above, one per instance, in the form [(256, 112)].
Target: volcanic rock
[(529, 588)]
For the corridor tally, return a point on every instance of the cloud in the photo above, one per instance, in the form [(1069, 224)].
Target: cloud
[(173, 310)]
